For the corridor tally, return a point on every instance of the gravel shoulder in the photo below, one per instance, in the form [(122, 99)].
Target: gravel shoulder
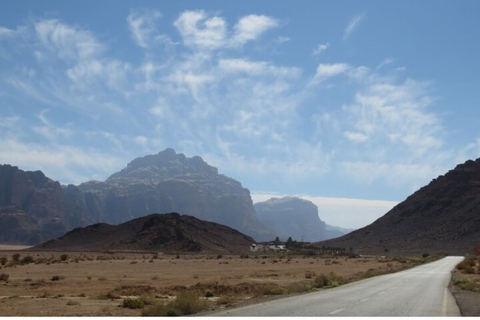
[(468, 301)]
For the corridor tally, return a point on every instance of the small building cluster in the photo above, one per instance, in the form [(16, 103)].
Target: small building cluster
[(268, 247)]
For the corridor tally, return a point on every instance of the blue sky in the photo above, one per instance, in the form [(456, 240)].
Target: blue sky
[(342, 100)]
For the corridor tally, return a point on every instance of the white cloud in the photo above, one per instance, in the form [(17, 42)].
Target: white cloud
[(67, 164), (281, 39), (257, 68), (356, 136), (352, 25), (6, 33), (320, 48), (325, 71), (385, 62), (199, 31), (66, 41), (251, 27), (142, 25)]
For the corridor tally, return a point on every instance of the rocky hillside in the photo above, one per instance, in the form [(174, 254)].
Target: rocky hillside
[(167, 182), (156, 232), (31, 207), (293, 217), (443, 216)]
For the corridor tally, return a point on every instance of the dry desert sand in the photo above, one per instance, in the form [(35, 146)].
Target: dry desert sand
[(95, 284)]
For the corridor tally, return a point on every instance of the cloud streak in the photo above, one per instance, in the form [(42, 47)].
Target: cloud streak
[(353, 25)]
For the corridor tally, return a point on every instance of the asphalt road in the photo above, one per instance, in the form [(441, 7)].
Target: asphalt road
[(420, 291)]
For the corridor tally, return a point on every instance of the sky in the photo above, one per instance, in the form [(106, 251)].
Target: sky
[(351, 104)]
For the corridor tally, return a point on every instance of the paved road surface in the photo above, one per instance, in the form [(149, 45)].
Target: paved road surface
[(421, 291)]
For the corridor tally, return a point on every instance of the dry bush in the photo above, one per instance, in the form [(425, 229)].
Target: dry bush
[(4, 277), (309, 274), (133, 303), (186, 303)]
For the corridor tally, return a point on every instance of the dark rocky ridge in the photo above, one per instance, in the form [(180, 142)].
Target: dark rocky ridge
[(156, 232), (443, 216), (293, 217)]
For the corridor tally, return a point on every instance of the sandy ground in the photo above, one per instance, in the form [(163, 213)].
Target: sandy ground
[(85, 279)]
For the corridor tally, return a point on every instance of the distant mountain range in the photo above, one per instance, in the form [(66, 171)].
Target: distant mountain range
[(443, 216), (294, 217), (34, 208), (156, 232)]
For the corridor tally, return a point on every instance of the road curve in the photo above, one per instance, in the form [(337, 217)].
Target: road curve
[(420, 291)]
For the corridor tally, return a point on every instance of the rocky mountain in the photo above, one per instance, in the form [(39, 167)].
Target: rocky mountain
[(293, 217), (443, 216), (156, 232), (34, 208), (31, 207), (166, 182)]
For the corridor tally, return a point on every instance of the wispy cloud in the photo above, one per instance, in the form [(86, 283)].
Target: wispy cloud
[(251, 27), (321, 47), (353, 25), (142, 25), (325, 71)]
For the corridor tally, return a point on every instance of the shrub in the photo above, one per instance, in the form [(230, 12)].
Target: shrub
[(309, 274), (469, 270), (4, 277), (27, 260), (3, 260), (208, 294), (188, 303), (133, 303), (425, 255), (321, 281), (274, 290), (16, 257), (57, 278), (73, 303), (64, 257)]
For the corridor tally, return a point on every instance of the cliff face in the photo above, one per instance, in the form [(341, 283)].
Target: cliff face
[(167, 182), (443, 216), (34, 208), (31, 207), (293, 217)]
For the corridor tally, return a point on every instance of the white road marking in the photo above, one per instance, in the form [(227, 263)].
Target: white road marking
[(337, 311), (366, 299), (381, 292)]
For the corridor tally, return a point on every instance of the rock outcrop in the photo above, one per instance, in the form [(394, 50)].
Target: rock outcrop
[(156, 232), (293, 217), (443, 216)]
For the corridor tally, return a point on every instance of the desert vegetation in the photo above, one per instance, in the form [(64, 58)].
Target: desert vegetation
[(123, 284), (468, 274)]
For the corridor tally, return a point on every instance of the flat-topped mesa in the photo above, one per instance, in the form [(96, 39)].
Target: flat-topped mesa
[(164, 165), (292, 217)]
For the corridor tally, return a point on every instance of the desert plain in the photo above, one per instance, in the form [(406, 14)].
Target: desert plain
[(98, 283)]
